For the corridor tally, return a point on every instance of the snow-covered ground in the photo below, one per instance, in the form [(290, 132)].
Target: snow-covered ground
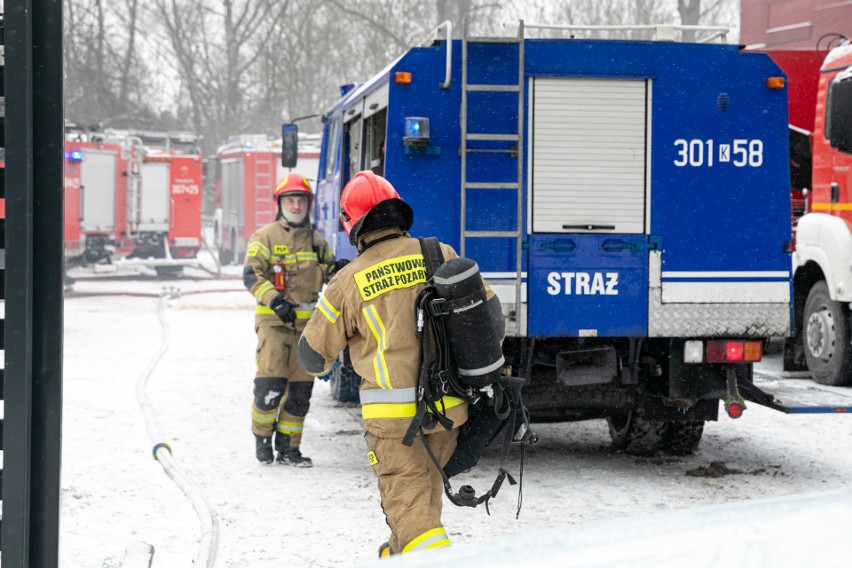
[(117, 500)]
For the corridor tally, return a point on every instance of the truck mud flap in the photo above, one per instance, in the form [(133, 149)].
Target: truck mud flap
[(797, 396), (587, 367)]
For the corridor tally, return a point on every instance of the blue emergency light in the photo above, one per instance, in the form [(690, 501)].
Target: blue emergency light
[(74, 156), (416, 131), (346, 88)]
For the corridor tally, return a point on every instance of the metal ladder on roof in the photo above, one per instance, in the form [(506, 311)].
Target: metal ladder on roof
[(513, 324)]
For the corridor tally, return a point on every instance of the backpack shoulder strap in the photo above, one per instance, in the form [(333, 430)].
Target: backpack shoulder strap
[(432, 254)]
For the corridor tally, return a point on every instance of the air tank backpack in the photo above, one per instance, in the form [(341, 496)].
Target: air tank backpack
[(461, 356)]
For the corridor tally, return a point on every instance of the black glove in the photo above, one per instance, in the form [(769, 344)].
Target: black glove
[(339, 264), (286, 311)]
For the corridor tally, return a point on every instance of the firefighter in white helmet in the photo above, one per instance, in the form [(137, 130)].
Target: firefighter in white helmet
[(285, 267), (370, 306)]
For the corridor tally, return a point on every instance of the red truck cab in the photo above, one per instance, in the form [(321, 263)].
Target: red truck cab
[(832, 165)]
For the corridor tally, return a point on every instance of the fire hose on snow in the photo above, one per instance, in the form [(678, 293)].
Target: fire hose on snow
[(162, 452), (209, 541)]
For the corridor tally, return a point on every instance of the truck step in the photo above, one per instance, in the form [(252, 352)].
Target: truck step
[(804, 396)]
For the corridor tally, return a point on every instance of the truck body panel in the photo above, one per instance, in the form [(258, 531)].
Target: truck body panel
[(155, 208), (96, 189), (632, 214), (620, 135)]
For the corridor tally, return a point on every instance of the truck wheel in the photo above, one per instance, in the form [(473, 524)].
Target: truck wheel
[(634, 434), (225, 257), (826, 338), (682, 438), (345, 382)]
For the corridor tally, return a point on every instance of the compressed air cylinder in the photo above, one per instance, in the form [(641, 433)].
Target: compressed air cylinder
[(473, 337)]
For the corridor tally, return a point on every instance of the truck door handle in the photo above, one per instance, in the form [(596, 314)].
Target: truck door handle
[(561, 245), (617, 245), (590, 227), (835, 192)]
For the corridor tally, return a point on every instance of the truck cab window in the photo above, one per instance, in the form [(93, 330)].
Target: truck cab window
[(352, 140), (374, 147), (838, 116), (331, 151)]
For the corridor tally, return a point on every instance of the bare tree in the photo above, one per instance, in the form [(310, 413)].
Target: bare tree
[(217, 45), (103, 69), (692, 14), (224, 67), (625, 12)]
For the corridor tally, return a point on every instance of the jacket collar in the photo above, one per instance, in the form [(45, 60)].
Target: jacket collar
[(287, 226), (374, 237)]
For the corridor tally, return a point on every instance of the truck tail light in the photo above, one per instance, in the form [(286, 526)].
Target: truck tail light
[(753, 351), (732, 351), (734, 409)]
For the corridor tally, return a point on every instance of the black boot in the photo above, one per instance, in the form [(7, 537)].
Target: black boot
[(263, 449), (292, 456)]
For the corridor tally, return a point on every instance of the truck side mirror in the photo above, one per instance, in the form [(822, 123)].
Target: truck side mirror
[(840, 112), (289, 145)]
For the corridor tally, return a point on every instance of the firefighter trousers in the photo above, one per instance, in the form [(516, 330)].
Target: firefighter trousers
[(412, 489), (282, 389)]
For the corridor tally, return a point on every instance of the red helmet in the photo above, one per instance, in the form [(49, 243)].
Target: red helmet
[(293, 184), (369, 202)]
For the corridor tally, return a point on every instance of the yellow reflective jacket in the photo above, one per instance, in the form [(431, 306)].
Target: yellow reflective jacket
[(369, 304), (305, 261)]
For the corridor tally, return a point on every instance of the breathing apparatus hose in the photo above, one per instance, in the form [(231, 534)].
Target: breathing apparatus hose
[(466, 496)]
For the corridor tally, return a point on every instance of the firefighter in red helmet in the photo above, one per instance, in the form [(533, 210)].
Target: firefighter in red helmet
[(370, 306), (286, 265)]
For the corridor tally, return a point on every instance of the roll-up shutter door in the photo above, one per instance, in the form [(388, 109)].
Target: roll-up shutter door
[(589, 155), (98, 190)]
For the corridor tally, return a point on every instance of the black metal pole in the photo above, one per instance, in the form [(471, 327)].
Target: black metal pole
[(34, 283)]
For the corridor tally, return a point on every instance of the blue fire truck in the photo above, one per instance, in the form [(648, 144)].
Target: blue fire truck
[(627, 200)]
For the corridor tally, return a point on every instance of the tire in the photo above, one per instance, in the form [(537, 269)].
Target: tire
[(794, 354), (345, 382), (682, 438), (634, 434), (826, 338), (225, 256)]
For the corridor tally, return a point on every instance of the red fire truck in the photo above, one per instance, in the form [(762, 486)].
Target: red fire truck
[(248, 168), (165, 209), (99, 174), (132, 198), (806, 39)]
